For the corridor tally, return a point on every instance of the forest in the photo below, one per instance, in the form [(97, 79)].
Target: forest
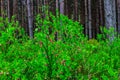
[(59, 39)]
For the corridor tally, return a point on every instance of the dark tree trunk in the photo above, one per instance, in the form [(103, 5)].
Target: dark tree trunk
[(2, 8), (86, 17), (8, 3), (118, 17), (15, 8), (75, 10)]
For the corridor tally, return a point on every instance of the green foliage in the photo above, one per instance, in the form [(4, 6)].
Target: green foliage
[(70, 57)]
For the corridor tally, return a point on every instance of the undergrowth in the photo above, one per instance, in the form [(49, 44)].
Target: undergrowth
[(58, 51)]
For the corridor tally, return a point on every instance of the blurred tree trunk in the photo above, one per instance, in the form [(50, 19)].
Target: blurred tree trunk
[(118, 17), (114, 14), (69, 8), (76, 10), (101, 9), (2, 8), (89, 19), (30, 19), (82, 15), (15, 8), (66, 7), (110, 15), (86, 17), (8, 3), (61, 2), (57, 8), (95, 17)]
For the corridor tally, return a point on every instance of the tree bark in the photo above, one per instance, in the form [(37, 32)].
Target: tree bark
[(109, 9), (61, 6), (86, 17), (15, 8), (90, 19), (2, 8), (30, 19), (110, 15), (8, 3), (76, 10), (118, 17)]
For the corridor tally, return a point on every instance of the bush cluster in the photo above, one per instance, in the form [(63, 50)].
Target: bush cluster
[(58, 51)]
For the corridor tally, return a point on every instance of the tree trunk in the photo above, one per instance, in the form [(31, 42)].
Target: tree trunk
[(8, 3), (61, 6), (30, 19), (86, 17), (75, 10), (109, 7), (15, 9), (2, 8), (101, 12), (118, 17), (110, 15), (90, 19)]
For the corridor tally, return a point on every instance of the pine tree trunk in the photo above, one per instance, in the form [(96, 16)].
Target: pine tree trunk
[(86, 17), (30, 19), (61, 6), (2, 8), (118, 17), (90, 19), (8, 3), (75, 10), (110, 15), (15, 9)]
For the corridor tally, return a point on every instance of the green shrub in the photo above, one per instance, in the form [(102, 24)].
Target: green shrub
[(70, 57)]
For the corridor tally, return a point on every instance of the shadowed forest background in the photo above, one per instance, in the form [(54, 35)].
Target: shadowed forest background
[(90, 13), (59, 39)]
